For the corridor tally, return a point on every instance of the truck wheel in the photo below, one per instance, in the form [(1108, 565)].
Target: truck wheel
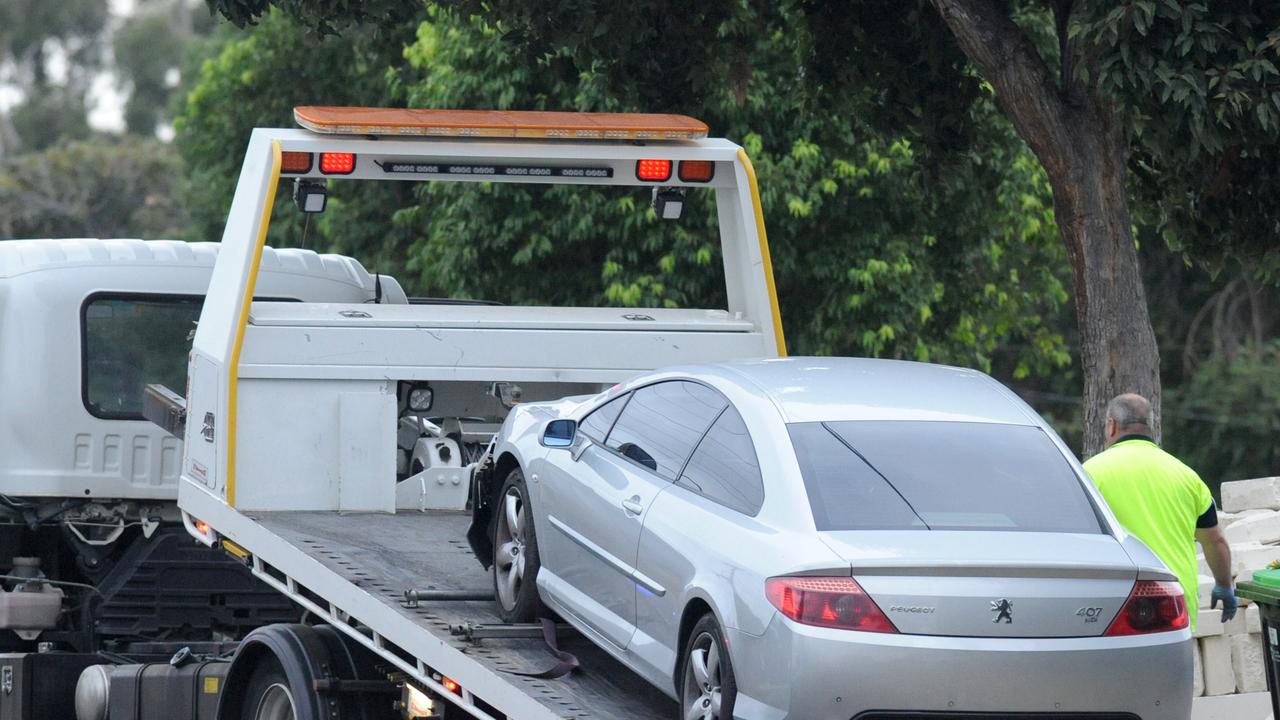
[(296, 672), (267, 696), (707, 687), (515, 553)]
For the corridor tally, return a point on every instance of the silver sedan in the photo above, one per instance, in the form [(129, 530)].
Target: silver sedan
[(833, 538)]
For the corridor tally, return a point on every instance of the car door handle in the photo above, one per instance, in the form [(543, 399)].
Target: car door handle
[(632, 505)]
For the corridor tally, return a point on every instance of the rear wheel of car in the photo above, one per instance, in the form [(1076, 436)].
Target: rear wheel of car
[(707, 687), (515, 553)]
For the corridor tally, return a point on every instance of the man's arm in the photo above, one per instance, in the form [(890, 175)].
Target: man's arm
[(1217, 553)]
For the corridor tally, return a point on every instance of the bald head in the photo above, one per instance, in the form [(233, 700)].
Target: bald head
[(1127, 414)]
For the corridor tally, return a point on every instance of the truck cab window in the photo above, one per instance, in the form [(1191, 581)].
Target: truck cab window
[(130, 341)]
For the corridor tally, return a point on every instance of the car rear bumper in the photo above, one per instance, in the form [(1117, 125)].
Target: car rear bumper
[(796, 671)]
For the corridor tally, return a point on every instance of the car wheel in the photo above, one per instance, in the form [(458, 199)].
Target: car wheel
[(707, 688), (515, 553)]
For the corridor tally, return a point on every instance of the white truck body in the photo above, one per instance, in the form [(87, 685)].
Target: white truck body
[(294, 409), (56, 442)]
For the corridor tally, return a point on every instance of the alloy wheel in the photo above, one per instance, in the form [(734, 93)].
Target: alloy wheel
[(701, 696), (509, 541)]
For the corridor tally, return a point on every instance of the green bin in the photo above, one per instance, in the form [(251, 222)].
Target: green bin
[(1264, 590)]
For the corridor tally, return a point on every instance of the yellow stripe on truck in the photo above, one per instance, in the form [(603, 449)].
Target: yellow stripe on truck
[(233, 367), (764, 250)]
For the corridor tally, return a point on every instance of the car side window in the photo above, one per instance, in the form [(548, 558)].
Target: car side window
[(724, 467), (662, 423), (597, 423)]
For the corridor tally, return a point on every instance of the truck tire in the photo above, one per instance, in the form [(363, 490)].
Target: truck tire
[(302, 672), (268, 696), (515, 553)]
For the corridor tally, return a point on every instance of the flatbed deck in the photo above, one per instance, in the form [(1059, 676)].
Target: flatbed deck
[(385, 555)]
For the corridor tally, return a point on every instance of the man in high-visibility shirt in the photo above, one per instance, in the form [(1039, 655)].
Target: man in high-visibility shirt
[(1163, 502)]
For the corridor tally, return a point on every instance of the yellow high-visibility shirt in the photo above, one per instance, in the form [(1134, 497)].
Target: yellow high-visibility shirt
[(1158, 499)]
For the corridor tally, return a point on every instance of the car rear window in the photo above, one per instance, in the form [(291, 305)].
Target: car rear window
[(903, 475)]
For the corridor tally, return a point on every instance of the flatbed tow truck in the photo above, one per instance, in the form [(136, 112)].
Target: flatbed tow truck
[(294, 413)]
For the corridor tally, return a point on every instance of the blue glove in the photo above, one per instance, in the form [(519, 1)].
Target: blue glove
[(1229, 602)]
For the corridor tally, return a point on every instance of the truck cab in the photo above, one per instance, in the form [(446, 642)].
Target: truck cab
[(88, 487)]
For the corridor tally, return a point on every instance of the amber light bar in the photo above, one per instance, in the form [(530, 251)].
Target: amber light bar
[(498, 124)]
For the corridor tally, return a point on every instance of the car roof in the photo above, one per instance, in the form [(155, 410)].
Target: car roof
[(832, 389)]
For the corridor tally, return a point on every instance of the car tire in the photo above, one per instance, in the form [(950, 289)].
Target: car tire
[(708, 688), (515, 553)]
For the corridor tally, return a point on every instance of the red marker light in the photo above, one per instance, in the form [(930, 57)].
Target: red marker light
[(451, 685), (337, 163), (203, 527), (653, 170), (697, 170), (295, 162)]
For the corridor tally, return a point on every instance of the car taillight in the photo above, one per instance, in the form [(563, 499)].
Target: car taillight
[(834, 602), (1151, 607)]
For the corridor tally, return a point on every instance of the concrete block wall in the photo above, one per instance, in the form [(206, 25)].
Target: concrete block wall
[(1229, 655)]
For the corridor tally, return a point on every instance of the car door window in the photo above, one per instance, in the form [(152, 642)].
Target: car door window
[(597, 423), (724, 467), (662, 423)]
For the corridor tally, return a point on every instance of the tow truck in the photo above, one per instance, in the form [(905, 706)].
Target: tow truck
[(296, 416), (94, 558)]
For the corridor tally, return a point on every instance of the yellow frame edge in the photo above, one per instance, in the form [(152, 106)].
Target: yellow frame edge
[(764, 250), (233, 366)]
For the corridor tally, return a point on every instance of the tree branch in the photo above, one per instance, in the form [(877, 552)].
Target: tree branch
[(1006, 58)]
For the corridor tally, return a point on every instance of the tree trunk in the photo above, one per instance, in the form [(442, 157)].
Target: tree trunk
[(1074, 134), (1118, 351)]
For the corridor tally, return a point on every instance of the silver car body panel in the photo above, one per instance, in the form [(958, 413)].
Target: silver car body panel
[(799, 671), (627, 580)]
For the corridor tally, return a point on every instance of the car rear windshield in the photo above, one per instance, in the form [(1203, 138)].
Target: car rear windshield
[(903, 475)]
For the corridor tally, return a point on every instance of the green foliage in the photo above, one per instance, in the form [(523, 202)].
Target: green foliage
[(255, 80), (1224, 422), (52, 115), (325, 17), (146, 49), (1198, 85), (874, 254), (92, 189), (27, 25)]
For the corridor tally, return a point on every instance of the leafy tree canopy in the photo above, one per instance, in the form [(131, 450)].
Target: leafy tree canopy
[(875, 253), (1196, 83), (91, 189), (1199, 87)]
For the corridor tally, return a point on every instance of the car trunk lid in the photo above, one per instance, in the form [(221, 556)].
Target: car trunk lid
[(990, 583)]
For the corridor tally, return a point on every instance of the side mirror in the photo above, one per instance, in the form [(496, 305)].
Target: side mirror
[(560, 433)]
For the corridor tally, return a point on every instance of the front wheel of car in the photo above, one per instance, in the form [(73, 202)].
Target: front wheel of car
[(515, 553), (707, 687)]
